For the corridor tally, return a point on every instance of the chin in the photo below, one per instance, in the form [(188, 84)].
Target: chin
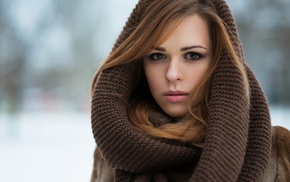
[(176, 113)]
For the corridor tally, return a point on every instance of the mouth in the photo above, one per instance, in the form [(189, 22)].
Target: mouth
[(175, 93), (175, 96)]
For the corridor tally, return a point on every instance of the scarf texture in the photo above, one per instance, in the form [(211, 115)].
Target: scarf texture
[(238, 133)]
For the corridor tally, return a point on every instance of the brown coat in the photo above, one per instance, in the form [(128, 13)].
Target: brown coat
[(101, 171), (278, 169)]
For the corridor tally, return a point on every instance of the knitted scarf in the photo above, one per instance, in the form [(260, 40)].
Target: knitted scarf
[(238, 133)]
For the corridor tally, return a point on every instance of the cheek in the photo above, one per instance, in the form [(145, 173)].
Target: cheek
[(197, 82), (197, 76), (153, 78)]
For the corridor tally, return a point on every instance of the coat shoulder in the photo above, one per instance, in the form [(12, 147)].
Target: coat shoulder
[(281, 144), (278, 169), (101, 171), (282, 133)]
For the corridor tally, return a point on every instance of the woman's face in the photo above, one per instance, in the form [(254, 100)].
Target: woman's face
[(177, 67)]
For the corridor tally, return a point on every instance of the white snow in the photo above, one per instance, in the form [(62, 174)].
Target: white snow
[(46, 147), (280, 116)]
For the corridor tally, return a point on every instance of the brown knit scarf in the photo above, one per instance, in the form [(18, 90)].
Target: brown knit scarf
[(237, 144)]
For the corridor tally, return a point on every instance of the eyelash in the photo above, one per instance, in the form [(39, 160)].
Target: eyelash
[(157, 56), (191, 56)]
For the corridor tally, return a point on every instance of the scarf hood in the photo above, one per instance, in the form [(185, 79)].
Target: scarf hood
[(238, 133)]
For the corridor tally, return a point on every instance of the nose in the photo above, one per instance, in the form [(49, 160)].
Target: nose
[(174, 72)]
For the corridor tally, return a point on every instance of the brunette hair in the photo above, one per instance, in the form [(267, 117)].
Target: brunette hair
[(158, 21)]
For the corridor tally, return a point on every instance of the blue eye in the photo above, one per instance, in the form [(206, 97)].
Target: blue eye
[(192, 56), (156, 56)]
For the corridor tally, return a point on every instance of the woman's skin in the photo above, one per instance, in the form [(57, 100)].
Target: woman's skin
[(178, 66)]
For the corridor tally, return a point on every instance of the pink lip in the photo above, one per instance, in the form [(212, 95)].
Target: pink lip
[(175, 96)]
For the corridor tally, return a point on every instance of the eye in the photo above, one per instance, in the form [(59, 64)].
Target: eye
[(156, 56), (193, 56)]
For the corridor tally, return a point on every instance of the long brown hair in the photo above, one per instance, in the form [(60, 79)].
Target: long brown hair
[(158, 21)]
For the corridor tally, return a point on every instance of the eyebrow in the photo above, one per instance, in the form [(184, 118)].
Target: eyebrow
[(192, 47), (182, 49)]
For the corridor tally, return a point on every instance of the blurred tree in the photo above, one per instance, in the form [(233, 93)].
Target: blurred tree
[(13, 55), (56, 54), (265, 28)]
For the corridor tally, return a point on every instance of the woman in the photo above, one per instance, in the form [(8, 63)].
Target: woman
[(175, 101)]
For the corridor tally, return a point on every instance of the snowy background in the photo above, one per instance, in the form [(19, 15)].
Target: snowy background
[(49, 51), (46, 147)]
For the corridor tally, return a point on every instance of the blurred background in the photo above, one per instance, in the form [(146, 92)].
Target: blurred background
[(49, 52)]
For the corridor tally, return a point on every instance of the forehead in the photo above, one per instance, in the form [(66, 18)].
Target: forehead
[(190, 30)]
